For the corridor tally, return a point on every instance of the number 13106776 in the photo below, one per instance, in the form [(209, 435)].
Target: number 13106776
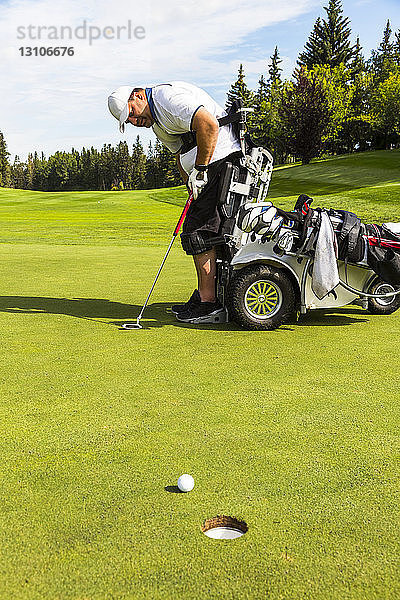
[(46, 51)]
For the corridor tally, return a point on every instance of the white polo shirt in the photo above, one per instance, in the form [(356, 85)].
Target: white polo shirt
[(174, 105)]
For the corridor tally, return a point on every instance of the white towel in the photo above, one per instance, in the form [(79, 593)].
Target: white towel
[(393, 227), (325, 276)]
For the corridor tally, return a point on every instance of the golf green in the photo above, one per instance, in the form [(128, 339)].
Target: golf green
[(294, 431)]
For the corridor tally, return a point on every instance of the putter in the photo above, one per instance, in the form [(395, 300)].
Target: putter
[(137, 325)]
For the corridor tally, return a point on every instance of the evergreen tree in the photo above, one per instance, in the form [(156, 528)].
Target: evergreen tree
[(151, 168), (123, 167), (313, 53), (358, 64), (58, 174), (386, 46), (274, 70), (36, 173), (29, 172), (262, 103), (240, 90), (273, 134), (4, 164), (396, 47), (107, 161), (18, 174), (329, 42), (261, 94), (383, 60), (138, 166), (170, 175)]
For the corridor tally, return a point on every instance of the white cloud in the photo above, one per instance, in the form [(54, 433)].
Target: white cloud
[(55, 102)]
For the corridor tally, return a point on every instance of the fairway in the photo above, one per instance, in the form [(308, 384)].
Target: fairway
[(295, 431)]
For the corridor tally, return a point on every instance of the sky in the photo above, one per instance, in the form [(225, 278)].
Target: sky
[(50, 103)]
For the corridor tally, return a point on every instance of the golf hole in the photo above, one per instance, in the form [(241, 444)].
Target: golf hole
[(224, 528)]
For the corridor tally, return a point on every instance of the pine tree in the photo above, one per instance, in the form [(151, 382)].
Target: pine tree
[(123, 167), (358, 64), (258, 117), (240, 90), (383, 60), (138, 166), (150, 167), (168, 168), (386, 46), (259, 122), (313, 49), (4, 164), (29, 172), (36, 173), (274, 70), (18, 174), (396, 47), (262, 92), (107, 166), (329, 42), (94, 162), (260, 97)]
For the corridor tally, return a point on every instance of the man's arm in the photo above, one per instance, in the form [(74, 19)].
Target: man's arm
[(206, 128)]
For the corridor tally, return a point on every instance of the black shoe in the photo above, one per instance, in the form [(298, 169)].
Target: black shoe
[(203, 312), (193, 300)]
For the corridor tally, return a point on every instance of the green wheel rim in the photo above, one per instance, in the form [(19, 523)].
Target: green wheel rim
[(263, 299)]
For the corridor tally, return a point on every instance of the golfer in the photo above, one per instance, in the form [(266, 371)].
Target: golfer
[(184, 118)]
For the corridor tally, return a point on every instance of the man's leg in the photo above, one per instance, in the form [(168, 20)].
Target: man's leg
[(205, 264), (208, 310)]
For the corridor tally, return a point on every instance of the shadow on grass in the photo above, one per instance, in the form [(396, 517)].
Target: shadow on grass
[(333, 317), (172, 489), (156, 315), (117, 313)]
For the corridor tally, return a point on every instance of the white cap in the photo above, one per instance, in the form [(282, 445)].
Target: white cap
[(118, 105)]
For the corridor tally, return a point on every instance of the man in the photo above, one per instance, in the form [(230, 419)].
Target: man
[(173, 110)]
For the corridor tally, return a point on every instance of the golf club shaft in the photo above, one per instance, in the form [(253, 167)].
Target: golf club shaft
[(183, 214), (176, 231), (156, 277)]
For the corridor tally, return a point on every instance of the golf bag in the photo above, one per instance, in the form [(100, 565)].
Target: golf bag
[(356, 242), (384, 252), (350, 237)]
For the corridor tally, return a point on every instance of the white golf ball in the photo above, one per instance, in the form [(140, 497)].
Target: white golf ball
[(185, 483)]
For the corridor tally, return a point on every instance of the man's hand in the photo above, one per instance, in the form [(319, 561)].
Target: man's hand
[(197, 180)]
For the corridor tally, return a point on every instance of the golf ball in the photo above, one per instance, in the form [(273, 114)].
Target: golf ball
[(185, 483)]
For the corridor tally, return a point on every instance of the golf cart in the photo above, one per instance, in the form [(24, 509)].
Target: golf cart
[(275, 263)]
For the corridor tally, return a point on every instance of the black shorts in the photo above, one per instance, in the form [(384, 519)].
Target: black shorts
[(203, 218)]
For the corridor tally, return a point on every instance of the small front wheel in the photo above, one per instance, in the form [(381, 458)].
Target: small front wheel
[(383, 306), (260, 297)]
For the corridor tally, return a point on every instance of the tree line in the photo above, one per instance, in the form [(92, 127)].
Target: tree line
[(336, 102), (111, 168)]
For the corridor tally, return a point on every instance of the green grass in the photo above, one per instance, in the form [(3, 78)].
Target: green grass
[(94, 218), (295, 431)]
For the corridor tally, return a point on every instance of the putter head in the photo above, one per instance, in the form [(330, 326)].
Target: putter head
[(136, 325)]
